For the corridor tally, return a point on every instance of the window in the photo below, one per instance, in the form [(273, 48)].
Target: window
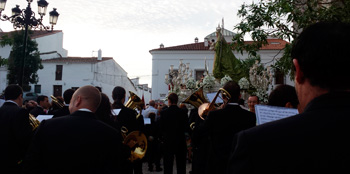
[(37, 88), (57, 90), (199, 74), (59, 69), (279, 77)]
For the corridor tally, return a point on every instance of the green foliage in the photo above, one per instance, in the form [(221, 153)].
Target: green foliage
[(246, 64), (283, 19), (32, 62), (5, 40), (3, 61)]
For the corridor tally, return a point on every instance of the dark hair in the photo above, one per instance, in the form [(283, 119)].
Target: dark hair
[(103, 111), (322, 54), (283, 94), (67, 95), (12, 92), (233, 89), (173, 98), (118, 95), (241, 101), (40, 98)]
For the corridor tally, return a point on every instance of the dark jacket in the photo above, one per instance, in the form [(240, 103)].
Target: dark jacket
[(315, 141), (223, 124), (60, 112), (78, 143), (37, 111), (173, 125), (15, 135)]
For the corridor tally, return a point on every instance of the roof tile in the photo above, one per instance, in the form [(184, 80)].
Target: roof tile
[(76, 60)]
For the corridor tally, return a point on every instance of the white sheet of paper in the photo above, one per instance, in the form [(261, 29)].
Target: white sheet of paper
[(211, 97), (43, 117), (265, 113), (147, 120), (115, 112)]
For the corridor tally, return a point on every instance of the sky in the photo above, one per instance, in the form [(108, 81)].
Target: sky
[(128, 30)]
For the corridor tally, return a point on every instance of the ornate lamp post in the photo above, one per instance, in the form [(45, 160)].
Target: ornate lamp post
[(24, 19)]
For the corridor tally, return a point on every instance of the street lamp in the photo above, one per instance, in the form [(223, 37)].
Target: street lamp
[(25, 18)]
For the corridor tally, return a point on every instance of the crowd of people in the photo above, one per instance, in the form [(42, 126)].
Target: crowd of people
[(88, 133)]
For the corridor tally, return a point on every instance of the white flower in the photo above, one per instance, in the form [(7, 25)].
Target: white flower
[(225, 79), (191, 83), (208, 81), (243, 83)]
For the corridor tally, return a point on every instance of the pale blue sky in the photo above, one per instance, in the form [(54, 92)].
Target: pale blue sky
[(127, 30)]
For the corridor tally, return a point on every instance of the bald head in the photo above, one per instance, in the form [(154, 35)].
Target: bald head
[(87, 97), (152, 103)]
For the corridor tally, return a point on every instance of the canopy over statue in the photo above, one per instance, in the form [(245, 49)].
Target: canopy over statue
[(225, 62)]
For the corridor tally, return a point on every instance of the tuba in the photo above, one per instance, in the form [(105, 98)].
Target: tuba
[(33, 122), (196, 99), (135, 102), (205, 108), (135, 140)]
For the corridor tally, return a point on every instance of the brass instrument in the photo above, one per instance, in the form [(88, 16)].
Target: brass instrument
[(135, 102), (206, 107), (57, 102), (196, 99), (33, 122), (135, 140)]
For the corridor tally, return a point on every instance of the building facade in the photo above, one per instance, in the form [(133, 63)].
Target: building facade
[(199, 54), (61, 72)]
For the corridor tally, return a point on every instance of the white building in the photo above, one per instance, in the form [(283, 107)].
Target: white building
[(197, 54), (61, 72)]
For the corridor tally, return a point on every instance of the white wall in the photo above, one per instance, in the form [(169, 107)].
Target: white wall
[(53, 42), (5, 51), (161, 61), (105, 74)]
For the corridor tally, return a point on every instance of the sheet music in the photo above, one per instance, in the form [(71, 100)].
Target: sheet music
[(211, 97), (147, 120), (43, 117), (265, 113)]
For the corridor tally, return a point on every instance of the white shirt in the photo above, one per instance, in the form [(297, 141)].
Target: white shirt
[(150, 109)]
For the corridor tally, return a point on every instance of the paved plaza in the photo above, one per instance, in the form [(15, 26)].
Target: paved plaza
[(145, 168)]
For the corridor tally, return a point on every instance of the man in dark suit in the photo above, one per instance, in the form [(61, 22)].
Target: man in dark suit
[(174, 125), (42, 107), (67, 96), (15, 130), (78, 143), (223, 124), (126, 118), (314, 141)]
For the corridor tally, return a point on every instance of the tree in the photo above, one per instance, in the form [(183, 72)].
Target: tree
[(5, 40), (284, 19), (32, 62)]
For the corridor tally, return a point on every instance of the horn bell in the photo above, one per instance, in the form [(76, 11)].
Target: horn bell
[(196, 99)]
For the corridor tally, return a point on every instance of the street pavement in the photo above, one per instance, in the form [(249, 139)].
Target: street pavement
[(145, 168)]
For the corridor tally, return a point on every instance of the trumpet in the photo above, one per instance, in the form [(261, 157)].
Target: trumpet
[(57, 102), (205, 108)]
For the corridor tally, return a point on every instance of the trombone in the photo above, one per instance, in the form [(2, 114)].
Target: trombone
[(205, 108)]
